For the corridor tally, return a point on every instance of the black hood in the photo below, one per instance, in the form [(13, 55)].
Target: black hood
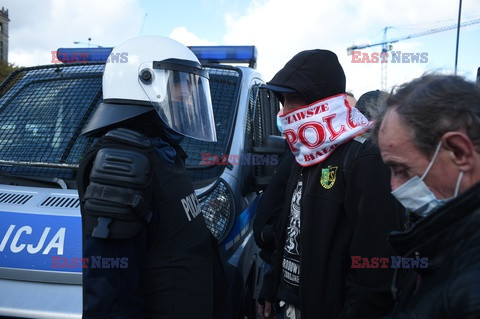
[(314, 74)]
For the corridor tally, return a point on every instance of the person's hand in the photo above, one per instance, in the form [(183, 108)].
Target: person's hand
[(266, 311)]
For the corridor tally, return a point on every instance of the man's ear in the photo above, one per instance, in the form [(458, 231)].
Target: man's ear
[(462, 150)]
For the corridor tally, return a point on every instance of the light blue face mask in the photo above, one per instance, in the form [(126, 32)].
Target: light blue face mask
[(279, 124), (415, 195)]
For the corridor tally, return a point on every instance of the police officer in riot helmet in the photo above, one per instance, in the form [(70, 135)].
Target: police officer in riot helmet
[(150, 252)]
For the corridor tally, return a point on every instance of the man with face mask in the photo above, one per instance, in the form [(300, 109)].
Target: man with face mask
[(338, 208), (429, 136)]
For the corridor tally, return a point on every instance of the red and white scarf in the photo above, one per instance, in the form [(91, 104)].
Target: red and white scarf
[(314, 131)]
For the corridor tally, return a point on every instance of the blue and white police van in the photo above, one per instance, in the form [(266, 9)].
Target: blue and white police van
[(43, 110)]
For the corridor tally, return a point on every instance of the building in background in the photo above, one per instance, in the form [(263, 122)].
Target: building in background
[(4, 20)]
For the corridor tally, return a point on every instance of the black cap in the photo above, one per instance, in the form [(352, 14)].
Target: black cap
[(369, 102), (314, 74)]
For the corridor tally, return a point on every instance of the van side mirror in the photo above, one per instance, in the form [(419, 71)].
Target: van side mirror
[(270, 152)]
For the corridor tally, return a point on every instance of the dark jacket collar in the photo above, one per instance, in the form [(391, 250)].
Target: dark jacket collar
[(444, 226)]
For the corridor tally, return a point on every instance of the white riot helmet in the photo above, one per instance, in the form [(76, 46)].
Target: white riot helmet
[(160, 72)]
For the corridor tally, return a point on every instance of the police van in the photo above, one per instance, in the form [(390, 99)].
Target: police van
[(43, 111)]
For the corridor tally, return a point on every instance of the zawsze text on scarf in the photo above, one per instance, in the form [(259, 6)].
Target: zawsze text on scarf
[(313, 132), (301, 115)]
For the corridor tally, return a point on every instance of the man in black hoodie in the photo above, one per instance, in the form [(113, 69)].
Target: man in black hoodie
[(429, 136), (338, 208)]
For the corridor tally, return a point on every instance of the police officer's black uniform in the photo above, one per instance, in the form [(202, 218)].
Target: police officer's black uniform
[(142, 212), (150, 253)]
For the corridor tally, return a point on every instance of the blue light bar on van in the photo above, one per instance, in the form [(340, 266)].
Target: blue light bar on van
[(82, 55), (226, 54), (206, 54)]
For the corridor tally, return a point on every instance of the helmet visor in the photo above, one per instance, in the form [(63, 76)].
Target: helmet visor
[(179, 91)]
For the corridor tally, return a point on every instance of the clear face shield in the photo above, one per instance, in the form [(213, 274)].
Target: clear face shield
[(180, 93)]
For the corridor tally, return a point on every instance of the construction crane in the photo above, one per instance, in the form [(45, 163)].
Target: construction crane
[(387, 44)]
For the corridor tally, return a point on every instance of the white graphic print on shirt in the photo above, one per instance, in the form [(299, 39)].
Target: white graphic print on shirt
[(291, 255)]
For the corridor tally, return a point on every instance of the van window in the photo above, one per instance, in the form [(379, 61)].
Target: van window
[(42, 116)]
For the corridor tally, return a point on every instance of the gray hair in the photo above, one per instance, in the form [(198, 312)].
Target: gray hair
[(432, 105)]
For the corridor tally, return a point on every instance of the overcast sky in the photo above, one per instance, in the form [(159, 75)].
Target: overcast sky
[(278, 28)]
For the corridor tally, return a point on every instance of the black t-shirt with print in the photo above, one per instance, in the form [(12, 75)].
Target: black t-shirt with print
[(290, 279)]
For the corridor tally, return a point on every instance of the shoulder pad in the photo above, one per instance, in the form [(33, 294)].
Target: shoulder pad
[(129, 137), (115, 203), (121, 167)]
